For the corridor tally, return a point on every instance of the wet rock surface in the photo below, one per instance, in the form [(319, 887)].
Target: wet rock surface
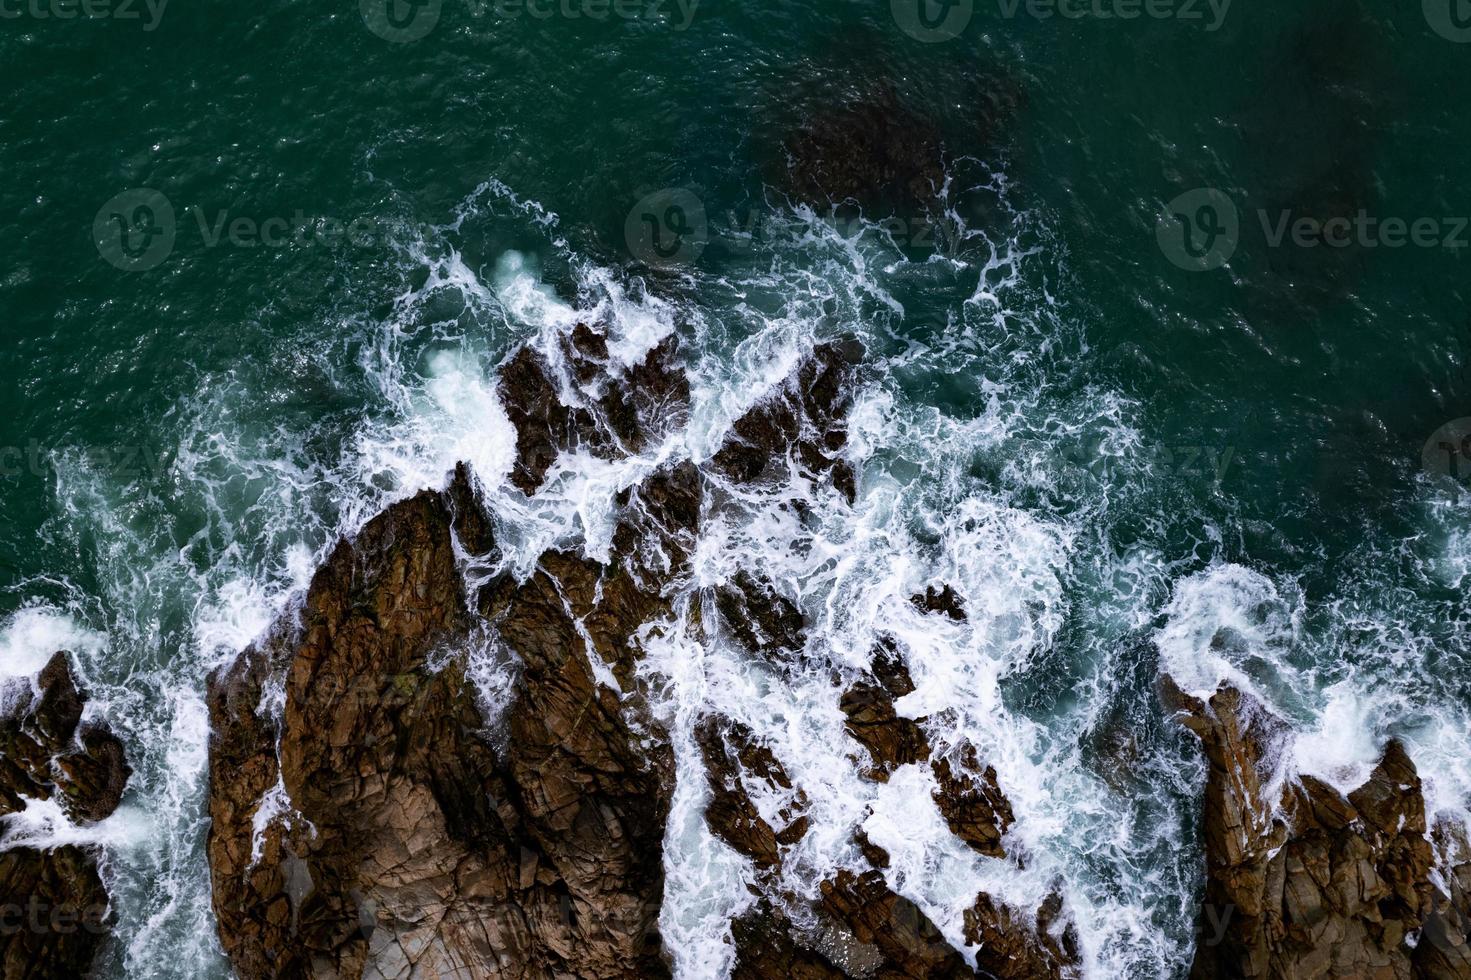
[(891, 740), (54, 909), (376, 813), (405, 841), (801, 425), (971, 801), (1316, 884), (587, 403)]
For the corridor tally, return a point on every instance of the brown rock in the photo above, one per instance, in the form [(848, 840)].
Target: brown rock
[(733, 756), (766, 948), (1337, 887), (943, 600), (762, 619), (1010, 948), (411, 843), (908, 941), (891, 741), (54, 912), (612, 414), (45, 751), (804, 419), (972, 802)]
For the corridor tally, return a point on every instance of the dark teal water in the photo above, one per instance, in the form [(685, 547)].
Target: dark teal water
[(183, 437)]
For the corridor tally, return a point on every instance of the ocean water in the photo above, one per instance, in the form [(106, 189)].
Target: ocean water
[(1129, 390)]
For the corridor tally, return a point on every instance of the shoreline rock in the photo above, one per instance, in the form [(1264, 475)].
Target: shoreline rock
[(55, 912), (1315, 883)]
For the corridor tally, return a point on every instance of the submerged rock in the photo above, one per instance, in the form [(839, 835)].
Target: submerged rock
[(1314, 884), (54, 910)]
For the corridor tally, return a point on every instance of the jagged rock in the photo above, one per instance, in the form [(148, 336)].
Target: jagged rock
[(944, 600), (908, 941), (406, 842), (46, 752), (604, 413), (891, 741), (1335, 886), (802, 423), (766, 948), (877, 856), (54, 912), (971, 801), (1010, 948), (761, 618), (733, 756)]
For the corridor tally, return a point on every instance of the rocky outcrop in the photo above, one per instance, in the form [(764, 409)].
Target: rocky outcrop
[(763, 620), (376, 813), (801, 426), (1314, 884), (586, 404), (735, 760), (891, 740), (1011, 948), (971, 801), (377, 829), (904, 936), (54, 911)]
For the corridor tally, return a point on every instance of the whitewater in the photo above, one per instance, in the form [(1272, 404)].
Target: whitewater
[(988, 459)]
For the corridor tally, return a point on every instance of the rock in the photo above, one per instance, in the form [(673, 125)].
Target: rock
[(891, 741), (944, 600), (609, 414), (54, 912), (802, 423), (1334, 886), (761, 618), (907, 940), (872, 151), (1010, 948), (404, 840), (766, 948), (971, 801), (733, 757)]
